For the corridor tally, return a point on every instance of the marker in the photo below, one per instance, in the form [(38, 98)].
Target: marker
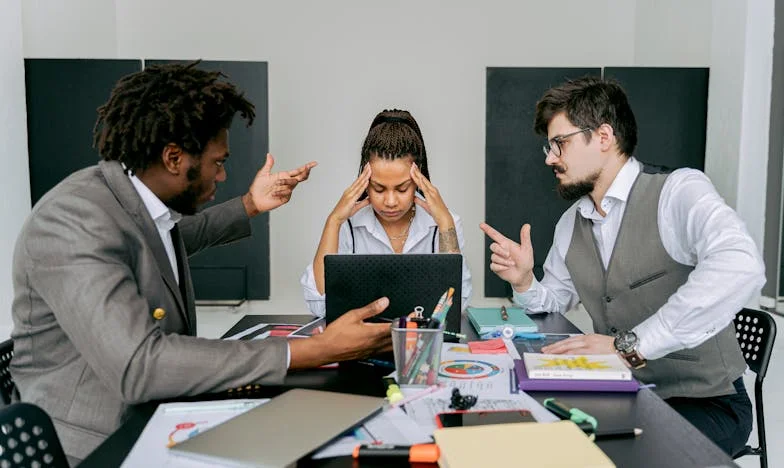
[(416, 396), (619, 434), (420, 453), (575, 415)]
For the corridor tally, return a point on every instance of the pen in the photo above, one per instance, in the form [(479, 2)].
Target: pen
[(420, 453), (504, 314), (418, 395), (619, 434), (225, 406)]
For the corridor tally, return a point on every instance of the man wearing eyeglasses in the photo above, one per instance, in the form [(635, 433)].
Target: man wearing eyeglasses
[(657, 258)]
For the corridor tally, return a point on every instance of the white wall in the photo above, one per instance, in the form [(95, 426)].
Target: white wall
[(739, 107), (14, 177), (333, 65)]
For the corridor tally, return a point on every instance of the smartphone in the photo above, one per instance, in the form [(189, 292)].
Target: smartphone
[(478, 418)]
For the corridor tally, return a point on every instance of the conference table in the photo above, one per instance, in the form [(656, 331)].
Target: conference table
[(667, 440)]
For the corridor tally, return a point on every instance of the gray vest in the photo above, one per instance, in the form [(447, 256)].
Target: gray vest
[(639, 279)]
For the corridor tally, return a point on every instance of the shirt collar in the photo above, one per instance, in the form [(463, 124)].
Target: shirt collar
[(619, 189), (164, 217)]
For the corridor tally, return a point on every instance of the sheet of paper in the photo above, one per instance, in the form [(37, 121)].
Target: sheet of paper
[(485, 374), (392, 426), (175, 422), (246, 332)]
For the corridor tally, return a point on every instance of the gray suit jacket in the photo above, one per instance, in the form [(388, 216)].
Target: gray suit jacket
[(89, 272)]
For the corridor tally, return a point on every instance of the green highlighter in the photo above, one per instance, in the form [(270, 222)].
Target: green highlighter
[(585, 421)]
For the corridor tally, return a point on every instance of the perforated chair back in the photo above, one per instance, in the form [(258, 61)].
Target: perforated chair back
[(756, 333), (28, 438), (7, 387)]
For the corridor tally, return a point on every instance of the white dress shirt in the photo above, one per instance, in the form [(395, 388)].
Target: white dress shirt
[(370, 238), (696, 228), (165, 219)]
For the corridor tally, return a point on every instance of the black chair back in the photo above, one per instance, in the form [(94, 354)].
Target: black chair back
[(7, 387), (28, 438), (756, 334)]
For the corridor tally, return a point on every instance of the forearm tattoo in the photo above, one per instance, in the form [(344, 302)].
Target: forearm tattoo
[(447, 241)]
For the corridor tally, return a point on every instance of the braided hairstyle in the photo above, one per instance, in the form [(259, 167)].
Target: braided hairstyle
[(165, 104), (394, 134)]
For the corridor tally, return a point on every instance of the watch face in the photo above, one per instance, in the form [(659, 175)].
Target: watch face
[(625, 342)]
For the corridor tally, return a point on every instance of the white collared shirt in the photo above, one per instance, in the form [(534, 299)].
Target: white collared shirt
[(370, 238), (165, 219), (696, 228)]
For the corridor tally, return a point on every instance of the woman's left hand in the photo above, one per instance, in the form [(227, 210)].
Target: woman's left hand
[(433, 203)]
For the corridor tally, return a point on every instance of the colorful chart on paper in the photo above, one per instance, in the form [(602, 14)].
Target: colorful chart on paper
[(467, 369)]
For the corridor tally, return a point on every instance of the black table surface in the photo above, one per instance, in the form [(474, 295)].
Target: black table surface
[(667, 439)]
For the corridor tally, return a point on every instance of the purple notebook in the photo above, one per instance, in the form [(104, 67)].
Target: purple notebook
[(527, 384)]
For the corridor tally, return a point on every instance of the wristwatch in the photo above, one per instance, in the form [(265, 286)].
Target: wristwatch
[(626, 343)]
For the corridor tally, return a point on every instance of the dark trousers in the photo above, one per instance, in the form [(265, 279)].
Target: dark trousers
[(726, 420)]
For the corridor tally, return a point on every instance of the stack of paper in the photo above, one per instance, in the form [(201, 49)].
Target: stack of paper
[(558, 444)]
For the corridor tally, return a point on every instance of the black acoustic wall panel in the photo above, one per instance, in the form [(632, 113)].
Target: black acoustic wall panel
[(62, 98), (519, 188), (240, 270), (671, 108)]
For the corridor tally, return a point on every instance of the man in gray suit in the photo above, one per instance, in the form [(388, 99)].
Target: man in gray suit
[(103, 308)]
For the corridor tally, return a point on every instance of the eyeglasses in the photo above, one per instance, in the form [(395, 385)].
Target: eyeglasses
[(554, 144)]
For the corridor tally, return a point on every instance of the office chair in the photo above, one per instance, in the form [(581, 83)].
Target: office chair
[(28, 438), (756, 332), (8, 392)]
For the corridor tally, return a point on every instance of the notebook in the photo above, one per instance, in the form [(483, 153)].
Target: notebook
[(557, 444), (575, 367), (282, 431), (525, 384), (488, 319)]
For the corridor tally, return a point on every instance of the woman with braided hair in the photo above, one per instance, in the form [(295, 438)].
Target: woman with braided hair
[(392, 207)]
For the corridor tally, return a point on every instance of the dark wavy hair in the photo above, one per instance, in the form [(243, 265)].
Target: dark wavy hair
[(164, 104), (590, 102)]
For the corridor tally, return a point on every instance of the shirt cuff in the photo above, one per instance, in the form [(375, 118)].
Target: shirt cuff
[(526, 297), (655, 340)]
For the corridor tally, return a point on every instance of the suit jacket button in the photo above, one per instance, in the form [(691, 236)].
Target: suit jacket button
[(158, 313)]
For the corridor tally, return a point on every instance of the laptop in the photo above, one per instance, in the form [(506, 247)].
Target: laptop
[(408, 280), (282, 431)]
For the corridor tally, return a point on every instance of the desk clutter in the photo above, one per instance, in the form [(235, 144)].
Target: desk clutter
[(482, 381)]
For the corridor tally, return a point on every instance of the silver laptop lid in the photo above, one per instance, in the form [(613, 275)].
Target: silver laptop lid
[(280, 432)]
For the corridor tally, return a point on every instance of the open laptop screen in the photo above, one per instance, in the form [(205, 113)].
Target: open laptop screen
[(408, 280)]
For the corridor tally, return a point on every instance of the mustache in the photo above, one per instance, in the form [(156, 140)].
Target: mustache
[(559, 169)]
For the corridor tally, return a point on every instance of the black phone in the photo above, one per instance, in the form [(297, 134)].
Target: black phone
[(478, 418)]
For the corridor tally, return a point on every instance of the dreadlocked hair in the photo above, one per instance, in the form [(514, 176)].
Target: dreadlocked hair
[(395, 134), (165, 104)]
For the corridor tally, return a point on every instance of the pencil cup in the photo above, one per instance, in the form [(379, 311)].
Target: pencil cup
[(417, 354)]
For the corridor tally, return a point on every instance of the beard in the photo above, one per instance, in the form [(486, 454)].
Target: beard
[(575, 190), (187, 202)]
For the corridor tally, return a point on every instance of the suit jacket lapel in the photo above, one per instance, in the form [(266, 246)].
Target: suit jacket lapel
[(119, 183)]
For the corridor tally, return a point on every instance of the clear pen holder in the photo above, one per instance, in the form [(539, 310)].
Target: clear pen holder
[(417, 355)]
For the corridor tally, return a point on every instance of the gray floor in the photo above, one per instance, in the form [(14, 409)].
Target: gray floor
[(215, 321)]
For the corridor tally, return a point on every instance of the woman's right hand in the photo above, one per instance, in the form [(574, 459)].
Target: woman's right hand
[(348, 204)]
